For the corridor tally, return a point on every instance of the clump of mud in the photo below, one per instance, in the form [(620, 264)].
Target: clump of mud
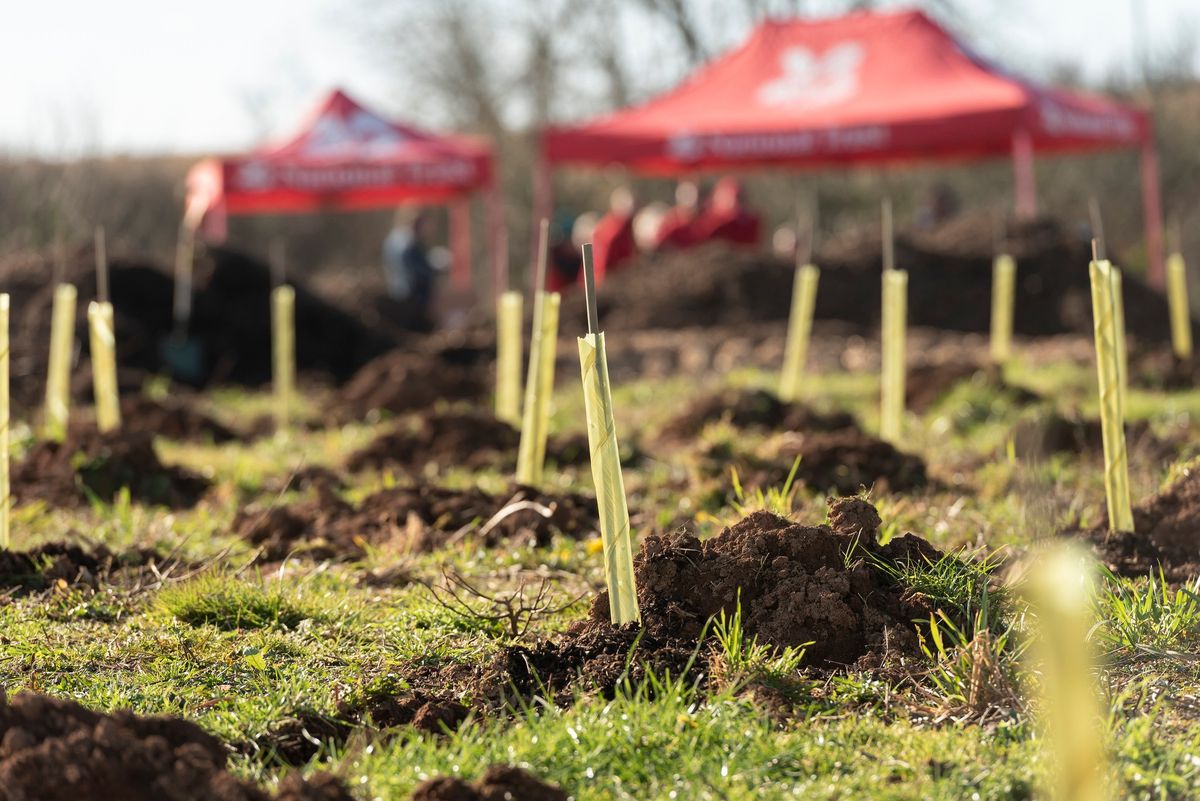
[(795, 584), (926, 384), (498, 783), (57, 750), (415, 518), (1165, 534), (470, 439), (750, 409), (78, 566), (89, 465), (405, 381), (173, 419)]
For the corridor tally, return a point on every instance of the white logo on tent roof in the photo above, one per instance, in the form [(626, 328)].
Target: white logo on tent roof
[(360, 131), (811, 81)]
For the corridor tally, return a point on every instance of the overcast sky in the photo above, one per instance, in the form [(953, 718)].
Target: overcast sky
[(160, 76)]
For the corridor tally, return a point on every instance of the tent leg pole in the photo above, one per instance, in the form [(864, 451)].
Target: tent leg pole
[(460, 244), (1023, 174), (1152, 209)]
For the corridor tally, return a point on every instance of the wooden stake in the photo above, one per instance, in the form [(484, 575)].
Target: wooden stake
[(283, 315), (543, 256), (185, 253), (278, 261), (1099, 251), (589, 290), (806, 255), (101, 265), (889, 244)]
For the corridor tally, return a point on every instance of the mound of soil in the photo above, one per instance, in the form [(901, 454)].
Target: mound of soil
[(950, 282), (41, 567), (751, 408), (172, 418), (56, 750), (795, 584), (1159, 368), (1164, 534), (841, 462), (498, 783), (1052, 433), (90, 464), (926, 384), (405, 381), (230, 320), (298, 739), (468, 439), (409, 519)]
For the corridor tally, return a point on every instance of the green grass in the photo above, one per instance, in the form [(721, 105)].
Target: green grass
[(238, 651)]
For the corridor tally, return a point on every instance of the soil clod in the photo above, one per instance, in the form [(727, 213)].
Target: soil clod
[(499, 783), (751, 409)]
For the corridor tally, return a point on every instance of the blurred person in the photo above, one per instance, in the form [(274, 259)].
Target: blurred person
[(676, 231), (938, 205), (409, 263), (564, 258), (726, 217), (645, 225), (613, 246)]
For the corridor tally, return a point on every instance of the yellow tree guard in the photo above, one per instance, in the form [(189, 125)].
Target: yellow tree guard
[(795, 353), (104, 365), (892, 367), (1112, 424), (539, 389), (1004, 275), (1118, 303), (5, 494), (58, 378), (283, 318), (610, 486), (1177, 298), (508, 357), (1060, 589)]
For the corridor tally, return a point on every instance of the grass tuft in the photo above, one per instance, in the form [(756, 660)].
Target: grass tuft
[(229, 603)]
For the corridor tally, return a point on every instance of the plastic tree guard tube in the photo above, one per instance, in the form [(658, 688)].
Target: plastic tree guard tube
[(539, 388), (283, 318), (1177, 297), (508, 357), (1004, 279), (58, 378), (795, 354), (610, 486), (1112, 424), (104, 365)]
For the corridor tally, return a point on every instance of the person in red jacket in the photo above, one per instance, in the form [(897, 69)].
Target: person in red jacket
[(726, 218), (677, 229), (613, 245)]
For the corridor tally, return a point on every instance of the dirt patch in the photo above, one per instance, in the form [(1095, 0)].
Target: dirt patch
[(498, 783), (950, 280), (90, 464), (755, 408), (56, 750), (174, 419), (76, 565), (409, 519), (1159, 368), (1054, 433), (926, 384), (405, 381), (842, 462), (1165, 527), (795, 584), (470, 439)]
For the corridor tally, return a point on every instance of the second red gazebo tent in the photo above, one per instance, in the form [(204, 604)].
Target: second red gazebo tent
[(862, 89), (347, 157)]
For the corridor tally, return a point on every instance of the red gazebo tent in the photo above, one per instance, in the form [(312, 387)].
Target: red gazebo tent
[(347, 157), (868, 88)]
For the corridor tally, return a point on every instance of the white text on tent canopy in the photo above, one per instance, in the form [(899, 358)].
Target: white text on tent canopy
[(359, 133), (263, 177), (1060, 120), (828, 141)]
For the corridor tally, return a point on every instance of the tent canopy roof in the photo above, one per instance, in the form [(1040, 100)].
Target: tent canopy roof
[(343, 156), (866, 87)]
